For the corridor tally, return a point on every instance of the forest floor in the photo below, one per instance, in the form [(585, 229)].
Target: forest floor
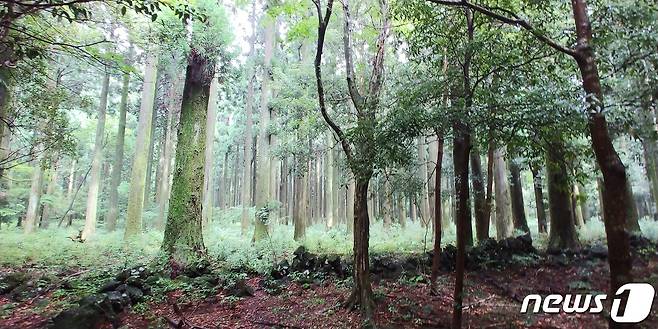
[(493, 298)]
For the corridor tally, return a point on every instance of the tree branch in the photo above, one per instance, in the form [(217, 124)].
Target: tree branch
[(514, 20), (323, 22)]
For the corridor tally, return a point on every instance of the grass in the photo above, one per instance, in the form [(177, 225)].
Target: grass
[(53, 248)]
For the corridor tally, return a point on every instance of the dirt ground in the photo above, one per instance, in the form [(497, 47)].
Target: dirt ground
[(493, 300)]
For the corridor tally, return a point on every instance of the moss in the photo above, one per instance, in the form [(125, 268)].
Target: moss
[(183, 239)]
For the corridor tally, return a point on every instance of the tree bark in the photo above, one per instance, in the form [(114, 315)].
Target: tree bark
[(539, 199), (50, 190), (562, 235), (33, 205), (207, 206), (518, 208), (183, 237), (263, 151), (461, 148), (138, 176), (424, 175), (362, 292), (615, 198), (504, 224), (436, 257), (173, 108), (117, 167), (95, 179), (479, 197)]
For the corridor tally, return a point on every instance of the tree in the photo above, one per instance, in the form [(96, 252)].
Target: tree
[(138, 173), (117, 166), (263, 171), (95, 179), (360, 150)]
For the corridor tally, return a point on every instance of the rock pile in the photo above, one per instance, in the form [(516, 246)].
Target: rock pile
[(127, 288)]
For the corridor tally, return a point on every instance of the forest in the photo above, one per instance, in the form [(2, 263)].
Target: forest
[(197, 164)]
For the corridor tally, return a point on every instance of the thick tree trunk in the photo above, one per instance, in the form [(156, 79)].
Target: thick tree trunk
[(95, 178), (539, 199), (479, 198), (504, 222), (562, 235), (518, 208), (183, 237), (436, 257), (207, 206), (138, 176), (461, 148), (362, 292), (117, 167)]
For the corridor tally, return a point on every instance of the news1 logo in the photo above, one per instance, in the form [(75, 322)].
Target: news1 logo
[(637, 308)]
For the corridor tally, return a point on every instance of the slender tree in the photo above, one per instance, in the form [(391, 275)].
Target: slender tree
[(117, 165), (95, 173), (139, 167)]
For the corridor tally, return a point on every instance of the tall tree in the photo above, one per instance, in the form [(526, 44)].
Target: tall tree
[(361, 150), (183, 238), (95, 173), (117, 165), (518, 207), (263, 162), (211, 120), (139, 167)]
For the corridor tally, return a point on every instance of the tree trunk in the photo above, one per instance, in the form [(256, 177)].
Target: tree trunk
[(248, 159), (206, 208), (50, 190), (300, 211), (33, 205), (117, 167), (138, 176), (349, 203), (263, 152), (329, 200), (95, 179), (562, 233), (461, 149), (436, 257), (651, 167), (424, 175), (69, 193), (615, 194), (518, 208), (362, 292), (173, 108), (151, 152), (479, 197), (632, 216), (504, 225), (575, 206), (183, 237), (539, 199)]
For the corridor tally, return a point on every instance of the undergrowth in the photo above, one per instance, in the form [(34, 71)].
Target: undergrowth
[(54, 249)]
